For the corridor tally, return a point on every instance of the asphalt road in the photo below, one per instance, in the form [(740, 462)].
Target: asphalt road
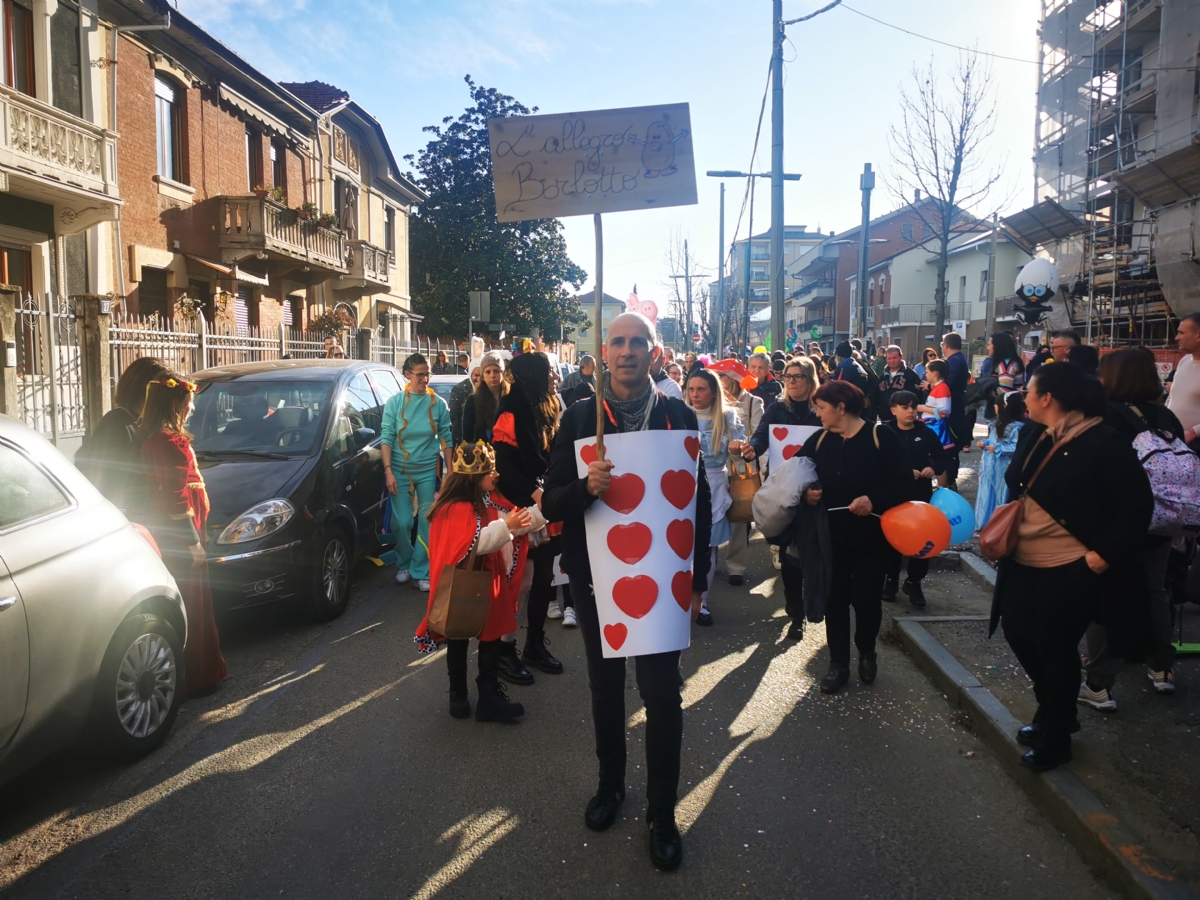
[(327, 766)]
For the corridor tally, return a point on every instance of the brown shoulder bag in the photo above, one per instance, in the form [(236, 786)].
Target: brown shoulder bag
[(463, 600), (998, 538)]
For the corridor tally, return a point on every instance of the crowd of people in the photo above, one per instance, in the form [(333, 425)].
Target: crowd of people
[(490, 483)]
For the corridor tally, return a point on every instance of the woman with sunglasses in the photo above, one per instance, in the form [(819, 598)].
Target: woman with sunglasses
[(416, 432)]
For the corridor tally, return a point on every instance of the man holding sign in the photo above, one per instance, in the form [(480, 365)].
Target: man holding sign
[(648, 612)]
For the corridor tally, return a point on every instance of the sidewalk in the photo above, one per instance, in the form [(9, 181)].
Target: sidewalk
[(1141, 762)]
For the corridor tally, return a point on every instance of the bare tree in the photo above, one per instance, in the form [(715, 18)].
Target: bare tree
[(938, 149), (681, 261)]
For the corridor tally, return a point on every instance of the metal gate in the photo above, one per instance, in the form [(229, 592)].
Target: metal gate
[(50, 395)]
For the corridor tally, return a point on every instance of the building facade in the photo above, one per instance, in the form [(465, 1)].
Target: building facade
[(1117, 165)]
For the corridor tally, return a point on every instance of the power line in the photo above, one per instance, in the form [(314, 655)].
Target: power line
[(753, 156), (1032, 62)]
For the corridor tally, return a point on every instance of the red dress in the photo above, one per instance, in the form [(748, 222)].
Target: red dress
[(452, 534), (177, 513)]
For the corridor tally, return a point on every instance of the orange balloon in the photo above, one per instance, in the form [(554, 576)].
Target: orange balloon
[(916, 529)]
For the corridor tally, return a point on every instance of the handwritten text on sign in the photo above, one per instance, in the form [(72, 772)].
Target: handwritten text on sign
[(592, 162)]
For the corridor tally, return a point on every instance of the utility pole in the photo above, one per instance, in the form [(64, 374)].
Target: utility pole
[(721, 279), (991, 284), (866, 183), (777, 176)]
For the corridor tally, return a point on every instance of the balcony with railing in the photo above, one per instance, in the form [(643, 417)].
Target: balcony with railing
[(369, 266), (818, 289), (56, 158), (248, 226), (922, 313)]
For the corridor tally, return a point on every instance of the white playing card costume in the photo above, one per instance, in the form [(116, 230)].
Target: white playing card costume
[(641, 537), (786, 441)]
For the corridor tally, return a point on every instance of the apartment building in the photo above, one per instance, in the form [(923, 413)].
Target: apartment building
[(1117, 165), (244, 201), (59, 200)]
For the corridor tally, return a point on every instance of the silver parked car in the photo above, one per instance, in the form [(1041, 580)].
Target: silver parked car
[(92, 625)]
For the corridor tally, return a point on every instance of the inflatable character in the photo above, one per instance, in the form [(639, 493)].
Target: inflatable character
[(1036, 285)]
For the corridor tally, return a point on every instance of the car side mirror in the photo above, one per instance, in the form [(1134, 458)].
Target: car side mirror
[(362, 437)]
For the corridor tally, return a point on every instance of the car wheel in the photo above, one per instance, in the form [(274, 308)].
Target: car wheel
[(330, 588), (140, 687)]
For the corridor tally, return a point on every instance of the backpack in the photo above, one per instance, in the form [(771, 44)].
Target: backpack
[(1174, 473), (868, 383)]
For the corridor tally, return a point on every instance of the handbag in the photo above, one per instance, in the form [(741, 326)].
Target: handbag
[(998, 538), (463, 600), (743, 485)]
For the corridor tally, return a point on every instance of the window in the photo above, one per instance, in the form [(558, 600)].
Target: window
[(389, 230), (254, 160), (278, 165), (66, 93), (241, 311), (275, 416), (359, 409), (16, 267), (18, 46), (983, 279), (962, 289), (152, 293), (166, 123), (387, 385), (906, 232), (26, 492)]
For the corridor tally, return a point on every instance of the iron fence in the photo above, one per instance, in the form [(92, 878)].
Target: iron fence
[(50, 391)]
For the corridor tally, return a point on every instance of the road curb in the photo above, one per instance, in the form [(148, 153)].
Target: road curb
[(977, 569), (1108, 845)]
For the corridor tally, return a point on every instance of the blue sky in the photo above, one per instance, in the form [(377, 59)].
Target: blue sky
[(404, 61)]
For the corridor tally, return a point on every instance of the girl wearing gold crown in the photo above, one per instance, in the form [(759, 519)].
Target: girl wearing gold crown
[(176, 515), (470, 513)]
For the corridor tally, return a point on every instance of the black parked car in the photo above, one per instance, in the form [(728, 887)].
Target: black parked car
[(290, 454)]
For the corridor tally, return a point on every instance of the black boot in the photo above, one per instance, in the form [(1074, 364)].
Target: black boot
[(535, 654), (916, 596), (494, 705), (835, 679), (666, 846), (456, 664), (796, 632), (890, 586), (512, 669)]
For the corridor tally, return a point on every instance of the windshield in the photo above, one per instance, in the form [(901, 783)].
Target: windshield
[(443, 390), (275, 417)]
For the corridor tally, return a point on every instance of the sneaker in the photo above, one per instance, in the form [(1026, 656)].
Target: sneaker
[(1164, 682), (1098, 698), (423, 585), (554, 612), (569, 617), (402, 576)]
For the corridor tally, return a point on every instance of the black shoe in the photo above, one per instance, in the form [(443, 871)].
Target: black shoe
[(737, 580), (460, 704), (666, 845), (835, 679), (867, 670), (890, 587), (602, 809), (916, 596), (705, 618), (1042, 759), (494, 705), (1031, 735), (796, 632), (511, 668), (535, 654)]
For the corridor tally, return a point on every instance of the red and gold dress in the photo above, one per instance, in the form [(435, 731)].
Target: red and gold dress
[(452, 533), (176, 515)]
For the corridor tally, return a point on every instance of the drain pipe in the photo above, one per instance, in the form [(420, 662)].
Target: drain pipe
[(117, 31)]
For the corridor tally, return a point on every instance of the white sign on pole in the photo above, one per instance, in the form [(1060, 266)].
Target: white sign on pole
[(481, 305), (602, 161), (786, 441), (641, 539)]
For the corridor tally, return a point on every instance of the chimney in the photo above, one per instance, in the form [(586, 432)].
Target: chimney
[(917, 196)]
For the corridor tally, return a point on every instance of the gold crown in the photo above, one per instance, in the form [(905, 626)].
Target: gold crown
[(474, 459)]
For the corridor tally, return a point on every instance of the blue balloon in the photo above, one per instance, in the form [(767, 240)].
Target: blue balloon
[(954, 506)]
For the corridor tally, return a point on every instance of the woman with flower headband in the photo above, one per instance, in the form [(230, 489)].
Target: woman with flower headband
[(177, 512), (470, 514)]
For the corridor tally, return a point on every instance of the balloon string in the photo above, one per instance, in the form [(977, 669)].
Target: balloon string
[(840, 508)]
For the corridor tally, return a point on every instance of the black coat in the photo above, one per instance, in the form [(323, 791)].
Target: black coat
[(779, 413), (1098, 491), (521, 458), (566, 496), (111, 459), (892, 383)]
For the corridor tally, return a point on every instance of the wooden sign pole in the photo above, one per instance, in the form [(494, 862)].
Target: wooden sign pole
[(599, 370)]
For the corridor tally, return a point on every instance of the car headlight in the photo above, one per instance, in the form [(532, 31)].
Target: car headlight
[(258, 521)]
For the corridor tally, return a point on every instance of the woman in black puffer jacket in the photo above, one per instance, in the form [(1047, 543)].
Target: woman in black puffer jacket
[(1078, 553), (526, 423)]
